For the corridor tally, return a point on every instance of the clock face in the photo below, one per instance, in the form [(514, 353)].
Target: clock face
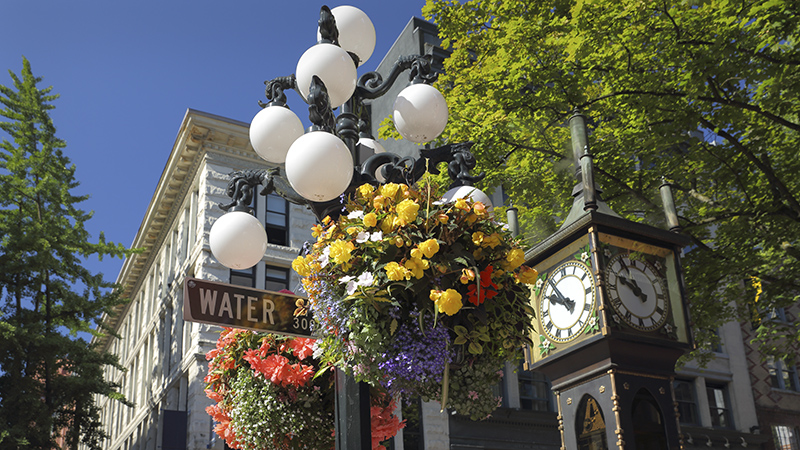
[(567, 301), (637, 292)]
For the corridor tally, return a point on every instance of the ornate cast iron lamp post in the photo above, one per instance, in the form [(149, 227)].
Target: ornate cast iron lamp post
[(320, 167)]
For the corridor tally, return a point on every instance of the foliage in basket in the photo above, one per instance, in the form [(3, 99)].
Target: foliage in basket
[(270, 392), (419, 296)]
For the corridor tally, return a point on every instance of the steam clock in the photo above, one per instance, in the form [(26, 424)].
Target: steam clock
[(611, 320)]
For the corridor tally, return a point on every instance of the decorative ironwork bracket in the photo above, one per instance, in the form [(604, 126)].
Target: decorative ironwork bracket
[(392, 167)]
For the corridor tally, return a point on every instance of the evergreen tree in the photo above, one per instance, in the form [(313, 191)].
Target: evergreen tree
[(704, 93), (50, 377)]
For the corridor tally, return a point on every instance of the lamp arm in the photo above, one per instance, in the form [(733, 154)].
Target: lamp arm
[(243, 182), (275, 90), (407, 170), (372, 85)]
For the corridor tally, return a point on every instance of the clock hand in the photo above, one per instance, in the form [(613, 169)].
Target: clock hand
[(637, 291), (561, 299), (565, 302)]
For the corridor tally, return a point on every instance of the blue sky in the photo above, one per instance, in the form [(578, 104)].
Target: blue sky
[(127, 72)]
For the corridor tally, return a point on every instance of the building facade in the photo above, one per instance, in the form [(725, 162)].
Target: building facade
[(163, 354)]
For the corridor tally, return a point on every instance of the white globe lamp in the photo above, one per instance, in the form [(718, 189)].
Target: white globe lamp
[(468, 193), (334, 66), (238, 240), (372, 144), (356, 31), (272, 132), (420, 113), (319, 166)]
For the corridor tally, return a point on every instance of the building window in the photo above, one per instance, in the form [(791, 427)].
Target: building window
[(277, 278), (783, 375), (246, 278), (412, 433), (534, 390), (277, 220), (718, 406), (687, 402), (786, 438)]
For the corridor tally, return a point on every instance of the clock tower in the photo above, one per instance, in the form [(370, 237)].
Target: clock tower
[(611, 320)]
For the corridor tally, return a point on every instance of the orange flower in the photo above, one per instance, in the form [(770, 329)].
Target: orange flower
[(467, 275)]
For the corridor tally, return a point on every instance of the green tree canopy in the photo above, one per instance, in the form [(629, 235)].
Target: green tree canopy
[(702, 92), (49, 375)]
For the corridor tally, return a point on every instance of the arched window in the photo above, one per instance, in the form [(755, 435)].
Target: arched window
[(648, 422), (590, 425)]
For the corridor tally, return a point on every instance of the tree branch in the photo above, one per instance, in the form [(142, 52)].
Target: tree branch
[(773, 179)]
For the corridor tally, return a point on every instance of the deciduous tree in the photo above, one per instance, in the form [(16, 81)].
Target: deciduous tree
[(702, 92)]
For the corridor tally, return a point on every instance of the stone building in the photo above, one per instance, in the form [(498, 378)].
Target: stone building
[(776, 388)]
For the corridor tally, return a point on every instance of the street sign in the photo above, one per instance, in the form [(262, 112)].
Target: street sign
[(234, 306)]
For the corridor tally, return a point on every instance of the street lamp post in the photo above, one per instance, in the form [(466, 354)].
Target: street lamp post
[(319, 168)]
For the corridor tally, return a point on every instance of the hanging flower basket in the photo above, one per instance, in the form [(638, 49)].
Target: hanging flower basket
[(419, 296), (271, 393)]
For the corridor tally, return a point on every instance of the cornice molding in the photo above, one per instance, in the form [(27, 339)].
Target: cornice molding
[(199, 135)]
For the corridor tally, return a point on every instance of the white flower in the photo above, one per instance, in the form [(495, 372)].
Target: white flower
[(592, 321), (539, 283), (324, 258), (376, 236), (607, 252), (362, 237), (350, 289), (584, 256), (366, 279), (356, 215)]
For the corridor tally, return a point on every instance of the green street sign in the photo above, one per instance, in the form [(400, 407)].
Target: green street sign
[(228, 305)]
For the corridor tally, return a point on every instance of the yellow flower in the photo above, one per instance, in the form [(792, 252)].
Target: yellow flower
[(478, 254), (388, 223), (515, 258), (398, 241), (480, 209), (370, 219), (467, 275), (365, 190), (379, 202), (527, 275), (448, 302), (340, 251), (407, 211), (429, 247), (300, 265), (317, 230), (417, 266), (443, 218), (477, 238), (471, 218), (389, 189), (396, 272), (462, 204), (353, 230), (493, 240)]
